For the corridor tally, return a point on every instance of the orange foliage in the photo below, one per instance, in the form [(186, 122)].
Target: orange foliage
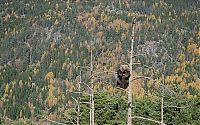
[(199, 34), (99, 35), (51, 99), (49, 76), (137, 88), (198, 51), (193, 48), (196, 84), (119, 24), (88, 20)]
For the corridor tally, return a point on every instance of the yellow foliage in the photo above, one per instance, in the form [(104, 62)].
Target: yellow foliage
[(56, 22), (170, 79), (199, 34), (99, 35), (96, 86), (156, 4), (64, 65), (35, 71), (192, 62), (79, 18), (70, 72), (119, 24), (51, 81), (51, 99), (181, 57), (183, 85), (69, 85), (13, 84), (20, 83), (50, 102), (153, 17), (6, 88), (189, 95), (170, 13), (53, 45), (49, 76), (15, 15), (103, 17), (196, 84), (192, 47), (179, 79), (110, 89), (66, 51), (118, 47), (90, 23), (77, 65), (44, 55), (138, 89), (6, 17), (197, 51)]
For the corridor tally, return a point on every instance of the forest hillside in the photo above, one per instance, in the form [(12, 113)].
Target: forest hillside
[(45, 50)]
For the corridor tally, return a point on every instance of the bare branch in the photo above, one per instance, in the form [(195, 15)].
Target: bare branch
[(77, 92), (97, 73), (138, 55), (83, 67), (147, 66), (142, 77), (148, 119), (125, 62), (175, 107), (137, 63), (85, 102), (86, 85), (52, 120), (74, 99)]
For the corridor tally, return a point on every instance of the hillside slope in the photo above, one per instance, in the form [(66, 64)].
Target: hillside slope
[(44, 43)]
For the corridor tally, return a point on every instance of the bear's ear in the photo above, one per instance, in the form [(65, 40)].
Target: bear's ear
[(127, 74), (126, 67), (119, 72)]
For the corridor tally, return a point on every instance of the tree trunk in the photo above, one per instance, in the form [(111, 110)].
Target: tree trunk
[(129, 122)]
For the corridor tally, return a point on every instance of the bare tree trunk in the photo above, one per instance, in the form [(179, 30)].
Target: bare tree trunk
[(129, 122), (90, 108), (162, 109), (162, 106), (92, 86), (92, 96), (30, 56), (78, 100)]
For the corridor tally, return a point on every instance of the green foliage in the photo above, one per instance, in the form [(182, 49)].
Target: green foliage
[(109, 110), (148, 108), (37, 37)]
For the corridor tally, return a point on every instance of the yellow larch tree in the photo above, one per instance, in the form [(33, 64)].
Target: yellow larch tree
[(51, 99)]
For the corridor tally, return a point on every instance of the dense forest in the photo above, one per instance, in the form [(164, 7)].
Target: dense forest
[(45, 53)]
